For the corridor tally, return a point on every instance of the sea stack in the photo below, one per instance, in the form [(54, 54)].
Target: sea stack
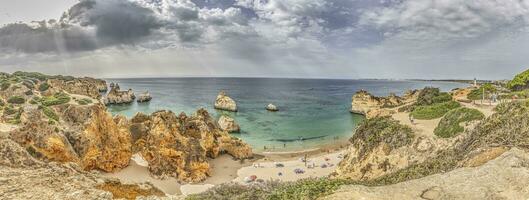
[(115, 96), (228, 124), (224, 102), (144, 97), (272, 107)]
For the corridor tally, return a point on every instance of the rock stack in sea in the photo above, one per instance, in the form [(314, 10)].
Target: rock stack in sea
[(144, 97), (224, 102), (228, 124), (116, 96), (272, 107)]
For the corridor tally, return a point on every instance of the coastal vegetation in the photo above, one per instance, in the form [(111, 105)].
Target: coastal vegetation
[(450, 124), (434, 111), (56, 99), (381, 129), (520, 81), (477, 94), (16, 100)]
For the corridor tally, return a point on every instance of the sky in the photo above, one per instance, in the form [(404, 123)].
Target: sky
[(396, 39)]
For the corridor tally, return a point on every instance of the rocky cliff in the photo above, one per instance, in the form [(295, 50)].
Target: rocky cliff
[(116, 96), (371, 106), (179, 146)]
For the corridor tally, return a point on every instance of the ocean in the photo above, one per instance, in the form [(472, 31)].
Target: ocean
[(316, 110)]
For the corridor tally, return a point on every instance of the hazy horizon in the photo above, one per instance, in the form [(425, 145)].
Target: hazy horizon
[(332, 39)]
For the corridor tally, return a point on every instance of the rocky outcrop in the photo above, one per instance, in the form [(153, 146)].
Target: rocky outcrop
[(100, 142), (505, 177), (24, 177), (116, 96), (228, 124), (82, 86), (179, 146), (364, 103), (224, 102), (86, 135), (144, 97), (272, 107)]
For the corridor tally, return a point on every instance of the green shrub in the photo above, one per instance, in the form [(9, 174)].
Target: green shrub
[(307, 189), (85, 101), (5, 85), (35, 75), (16, 100), (44, 86), (56, 99), (371, 132), (9, 110), (2, 103), (450, 126), (434, 111), (519, 82), (50, 113), (429, 96)]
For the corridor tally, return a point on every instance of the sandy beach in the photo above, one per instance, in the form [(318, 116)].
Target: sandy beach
[(225, 169)]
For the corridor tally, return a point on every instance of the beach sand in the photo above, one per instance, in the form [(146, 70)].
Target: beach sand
[(226, 169)]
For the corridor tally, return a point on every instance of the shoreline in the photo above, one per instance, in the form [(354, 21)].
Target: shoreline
[(225, 169)]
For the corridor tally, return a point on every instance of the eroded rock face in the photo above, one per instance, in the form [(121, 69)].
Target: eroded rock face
[(224, 102), (116, 96), (363, 102), (100, 141), (82, 86), (228, 124), (144, 97), (179, 146)]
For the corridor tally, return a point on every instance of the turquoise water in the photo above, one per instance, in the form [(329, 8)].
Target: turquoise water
[(309, 108)]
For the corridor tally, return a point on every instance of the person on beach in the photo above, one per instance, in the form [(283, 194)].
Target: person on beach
[(411, 119)]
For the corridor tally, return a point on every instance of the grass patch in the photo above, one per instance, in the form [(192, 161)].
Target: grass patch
[(434, 111), (44, 86), (16, 100), (56, 99), (450, 126), (84, 101), (50, 113)]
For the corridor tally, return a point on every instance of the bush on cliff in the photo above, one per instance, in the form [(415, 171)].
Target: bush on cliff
[(44, 86), (56, 99), (520, 81), (84, 101), (373, 131), (4, 85), (449, 125), (16, 100), (429, 96), (50, 113), (434, 111)]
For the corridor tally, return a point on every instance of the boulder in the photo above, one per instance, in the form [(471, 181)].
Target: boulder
[(144, 97), (224, 102), (272, 107), (228, 124)]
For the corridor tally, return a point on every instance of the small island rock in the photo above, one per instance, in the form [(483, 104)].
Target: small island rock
[(224, 102), (144, 97), (228, 124), (272, 107), (115, 96)]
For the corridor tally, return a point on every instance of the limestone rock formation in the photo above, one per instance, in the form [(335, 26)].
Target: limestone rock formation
[(272, 107), (82, 86), (224, 102), (364, 103), (228, 124), (100, 142), (179, 146), (116, 96), (144, 97), (24, 177)]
